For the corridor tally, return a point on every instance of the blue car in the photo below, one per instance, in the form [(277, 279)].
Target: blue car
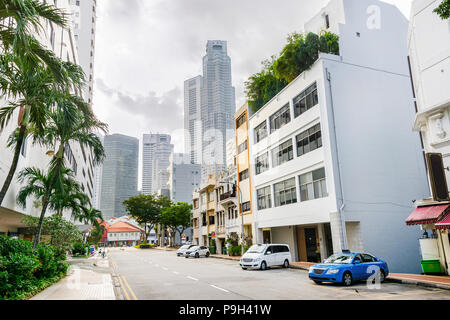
[(348, 267)]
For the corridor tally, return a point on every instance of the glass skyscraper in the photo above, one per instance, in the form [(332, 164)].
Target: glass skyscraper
[(120, 174)]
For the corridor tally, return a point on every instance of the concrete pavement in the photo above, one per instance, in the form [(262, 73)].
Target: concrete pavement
[(160, 275), (88, 279)]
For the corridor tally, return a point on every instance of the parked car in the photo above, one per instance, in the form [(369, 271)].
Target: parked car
[(183, 249), (197, 252), (348, 267), (263, 256)]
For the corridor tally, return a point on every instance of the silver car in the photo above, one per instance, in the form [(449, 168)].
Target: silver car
[(197, 252), (183, 249)]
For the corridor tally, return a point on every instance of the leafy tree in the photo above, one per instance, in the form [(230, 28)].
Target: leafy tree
[(62, 234), (177, 217), (96, 234), (147, 210), (297, 56), (444, 9)]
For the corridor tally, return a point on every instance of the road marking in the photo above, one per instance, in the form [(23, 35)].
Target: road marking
[(218, 288), (157, 265), (129, 288), (165, 269), (175, 272), (123, 288), (189, 277)]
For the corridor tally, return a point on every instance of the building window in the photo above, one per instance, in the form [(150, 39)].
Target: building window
[(285, 193), (327, 21), (264, 198), (282, 154), (313, 185), (243, 175), (261, 132), (211, 220), (309, 140), (211, 196), (241, 120), (280, 118), (196, 204), (242, 147), (245, 207), (204, 224), (306, 100), (262, 163)]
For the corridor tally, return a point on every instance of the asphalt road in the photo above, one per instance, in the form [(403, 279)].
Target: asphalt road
[(156, 274)]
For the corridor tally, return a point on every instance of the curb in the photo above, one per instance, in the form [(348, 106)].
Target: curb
[(298, 267), (419, 283), (223, 258), (117, 287)]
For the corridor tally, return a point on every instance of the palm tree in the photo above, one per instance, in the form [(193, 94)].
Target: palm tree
[(31, 77), (72, 198), (90, 216), (64, 127), (19, 19)]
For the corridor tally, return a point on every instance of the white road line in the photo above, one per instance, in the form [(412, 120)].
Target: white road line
[(165, 269), (157, 265), (176, 272), (218, 288), (189, 277)]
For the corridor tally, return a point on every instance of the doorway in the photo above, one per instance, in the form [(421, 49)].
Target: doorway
[(308, 244), (267, 237)]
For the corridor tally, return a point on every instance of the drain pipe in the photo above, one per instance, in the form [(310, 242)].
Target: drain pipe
[(343, 233)]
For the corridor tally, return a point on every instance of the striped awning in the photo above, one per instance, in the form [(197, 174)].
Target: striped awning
[(444, 223), (427, 215)]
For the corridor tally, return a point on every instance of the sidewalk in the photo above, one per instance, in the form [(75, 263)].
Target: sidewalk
[(225, 257), (441, 282), (88, 279)]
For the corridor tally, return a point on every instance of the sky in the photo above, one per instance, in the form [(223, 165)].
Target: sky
[(146, 49)]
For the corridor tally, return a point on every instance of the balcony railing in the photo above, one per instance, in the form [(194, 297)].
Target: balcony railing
[(227, 195)]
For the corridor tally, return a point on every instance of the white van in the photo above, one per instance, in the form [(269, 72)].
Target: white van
[(263, 256)]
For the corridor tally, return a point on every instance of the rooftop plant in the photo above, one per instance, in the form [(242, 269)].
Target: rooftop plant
[(444, 9), (299, 54)]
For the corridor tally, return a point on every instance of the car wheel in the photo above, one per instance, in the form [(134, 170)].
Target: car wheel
[(244, 268), (286, 263), (347, 279), (263, 265), (382, 276), (207, 254), (187, 257), (197, 255), (317, 282)]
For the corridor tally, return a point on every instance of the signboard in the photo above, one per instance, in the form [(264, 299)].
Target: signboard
[(213, 234), (91, 250)]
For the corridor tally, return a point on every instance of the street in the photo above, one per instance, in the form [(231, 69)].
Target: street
[(161, 275)]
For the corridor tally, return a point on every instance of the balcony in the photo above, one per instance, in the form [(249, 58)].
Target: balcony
[(228, 198)]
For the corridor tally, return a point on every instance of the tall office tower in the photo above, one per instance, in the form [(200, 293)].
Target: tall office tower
[(120, 174), (217, 107), (157, 150), (84, 29), (98, 170), (184, 177), (192, 118)]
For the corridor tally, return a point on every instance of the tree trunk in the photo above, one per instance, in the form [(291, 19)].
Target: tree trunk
[(45, 202), (14, 163)]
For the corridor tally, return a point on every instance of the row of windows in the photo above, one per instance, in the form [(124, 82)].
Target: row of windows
[(302, 103), (306, 141), (312, 186)]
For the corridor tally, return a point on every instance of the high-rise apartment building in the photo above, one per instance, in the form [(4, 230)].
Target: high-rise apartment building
[(184, 177), (84, 29), (62, 43), (120, 174), (98, 170), (214, 121), (157, 149)]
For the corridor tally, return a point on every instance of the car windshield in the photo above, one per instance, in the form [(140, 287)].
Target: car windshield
[(256, 249), (340, 258), (194, 248), (185, 247)]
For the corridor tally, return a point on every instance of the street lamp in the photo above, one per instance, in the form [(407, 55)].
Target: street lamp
[(240, 211)]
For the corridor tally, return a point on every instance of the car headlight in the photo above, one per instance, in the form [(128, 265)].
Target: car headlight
[(311, 270), (333, 271)]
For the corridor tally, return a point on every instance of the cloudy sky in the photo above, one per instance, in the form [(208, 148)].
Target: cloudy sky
[(145, 49)]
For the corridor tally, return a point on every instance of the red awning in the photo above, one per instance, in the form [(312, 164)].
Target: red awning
[(424, 215), (444, 223)]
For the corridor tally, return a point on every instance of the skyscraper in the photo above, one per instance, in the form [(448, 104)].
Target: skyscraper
[(120, 174), (184, 177), (84, 29), (157, 150), (217, 107)]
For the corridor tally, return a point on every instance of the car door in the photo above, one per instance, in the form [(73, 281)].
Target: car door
[(269, 256), (202, 251), (372, 265), (358, 269)]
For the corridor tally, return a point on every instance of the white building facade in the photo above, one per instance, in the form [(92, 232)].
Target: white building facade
[(335, 164), (62, 43), (157, 149), (429, 53)]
